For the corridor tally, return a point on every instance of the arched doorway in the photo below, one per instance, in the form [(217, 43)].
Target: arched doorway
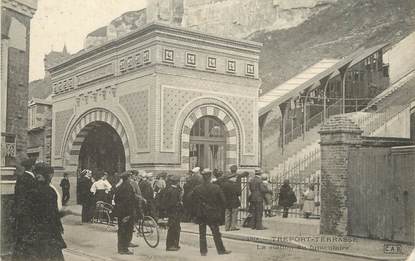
[(102, 149), (208, 144)]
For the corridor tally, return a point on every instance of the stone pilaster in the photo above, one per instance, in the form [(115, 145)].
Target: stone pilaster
[(339, 136)]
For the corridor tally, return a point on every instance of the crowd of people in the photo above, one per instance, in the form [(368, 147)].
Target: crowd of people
[(207, 198), (37, 211)]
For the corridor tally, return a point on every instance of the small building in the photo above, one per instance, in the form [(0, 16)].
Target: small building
[(161, 98), (40, 129)]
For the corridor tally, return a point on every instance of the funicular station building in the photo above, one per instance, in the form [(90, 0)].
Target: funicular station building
[(159, 98), (169, 98)]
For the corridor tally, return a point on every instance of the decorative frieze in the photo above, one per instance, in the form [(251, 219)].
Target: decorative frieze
[(95, 96), (96, 74), (133, 61), (250, 69), (63, 85), (231, 66), (168, 56), (190, 59), (211, 63)]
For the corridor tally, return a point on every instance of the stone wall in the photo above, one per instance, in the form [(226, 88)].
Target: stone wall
[(362, 179), (18, 31)]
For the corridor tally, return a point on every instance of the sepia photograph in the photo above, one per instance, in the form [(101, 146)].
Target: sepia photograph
[(187, 130)]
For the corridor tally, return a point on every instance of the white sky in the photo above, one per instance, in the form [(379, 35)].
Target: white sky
[(57, 22)]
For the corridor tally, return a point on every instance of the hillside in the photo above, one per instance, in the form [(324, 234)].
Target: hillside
[(333, 33)]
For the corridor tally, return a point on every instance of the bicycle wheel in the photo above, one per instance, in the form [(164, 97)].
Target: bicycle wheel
[(150, 231)]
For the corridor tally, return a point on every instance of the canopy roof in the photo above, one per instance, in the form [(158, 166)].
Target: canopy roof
[(311, 78)]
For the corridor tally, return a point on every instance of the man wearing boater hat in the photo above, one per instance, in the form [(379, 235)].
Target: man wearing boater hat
[(209, 202)]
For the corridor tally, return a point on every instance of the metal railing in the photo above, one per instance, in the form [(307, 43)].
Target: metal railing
[(373, 121)]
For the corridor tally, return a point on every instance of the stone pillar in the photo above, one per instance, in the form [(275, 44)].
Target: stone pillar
[(339, 136)]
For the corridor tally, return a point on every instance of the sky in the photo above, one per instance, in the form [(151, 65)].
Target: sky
[(59, 22)]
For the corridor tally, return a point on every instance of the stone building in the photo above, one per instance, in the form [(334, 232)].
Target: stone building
[(15, 47), (159, 98), (40, 129)]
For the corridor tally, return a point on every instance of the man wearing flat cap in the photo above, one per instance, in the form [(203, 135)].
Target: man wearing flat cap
[(172, 203), (257, 193), (209, 202), (125, 212), (231, 187), (191, 182)]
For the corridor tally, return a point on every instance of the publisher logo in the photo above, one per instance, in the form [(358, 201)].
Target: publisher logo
[(392, 249)]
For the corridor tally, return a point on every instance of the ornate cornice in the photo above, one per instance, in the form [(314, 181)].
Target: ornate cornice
[(25, 7), (156, 29)]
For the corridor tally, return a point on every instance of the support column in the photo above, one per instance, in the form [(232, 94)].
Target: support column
[(343, 72), (339, 136), (325, 83)]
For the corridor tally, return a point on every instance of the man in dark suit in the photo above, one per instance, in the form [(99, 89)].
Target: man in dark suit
[(85, 195), (125, 208), (257, 190), (209, 202), (148, 194), (65, 185), (23, 211), (231, 186), (172, 203)]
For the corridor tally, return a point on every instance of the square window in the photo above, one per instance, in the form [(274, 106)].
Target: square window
[(137, 59), (190, 59), (130, 62), (168, 55), (250, 69), (211, 63), (122, 65), (146, 56), (231, 66)]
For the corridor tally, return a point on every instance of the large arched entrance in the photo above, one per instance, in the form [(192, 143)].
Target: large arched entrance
[(208, 144), (102, 149)]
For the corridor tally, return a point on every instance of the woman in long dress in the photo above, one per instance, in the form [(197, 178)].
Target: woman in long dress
[(47, 217), (308, 197)]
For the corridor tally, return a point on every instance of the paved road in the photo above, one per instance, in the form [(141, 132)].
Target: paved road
[(93, 242)]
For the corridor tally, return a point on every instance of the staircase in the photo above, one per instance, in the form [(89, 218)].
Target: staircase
[(303, 153)]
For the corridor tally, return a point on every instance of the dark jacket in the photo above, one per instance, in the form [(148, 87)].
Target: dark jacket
[(286, 196), (209, 202), (257, 189), (232, 191), (146, 190), (85, 195), (65, 184), (24, 210), (171, 200), (124, 199), (188, 187), (49, 228)]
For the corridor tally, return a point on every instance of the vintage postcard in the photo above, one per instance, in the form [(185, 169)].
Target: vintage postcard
[(207, 129)]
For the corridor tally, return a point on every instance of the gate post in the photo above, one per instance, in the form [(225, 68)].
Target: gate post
[(339, 136)]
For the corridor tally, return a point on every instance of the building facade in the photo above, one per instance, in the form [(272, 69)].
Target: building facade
[(40, 129), (160, 98), (15, 47)]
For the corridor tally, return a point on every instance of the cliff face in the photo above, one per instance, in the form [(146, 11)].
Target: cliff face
[(235, 18), (335, 32), (240, 18)]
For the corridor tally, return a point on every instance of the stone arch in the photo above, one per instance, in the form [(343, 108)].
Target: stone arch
[(222, 113), (82, 126)]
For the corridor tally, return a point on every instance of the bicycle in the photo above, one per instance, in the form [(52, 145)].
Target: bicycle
[(148, 228), (103, 215)]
